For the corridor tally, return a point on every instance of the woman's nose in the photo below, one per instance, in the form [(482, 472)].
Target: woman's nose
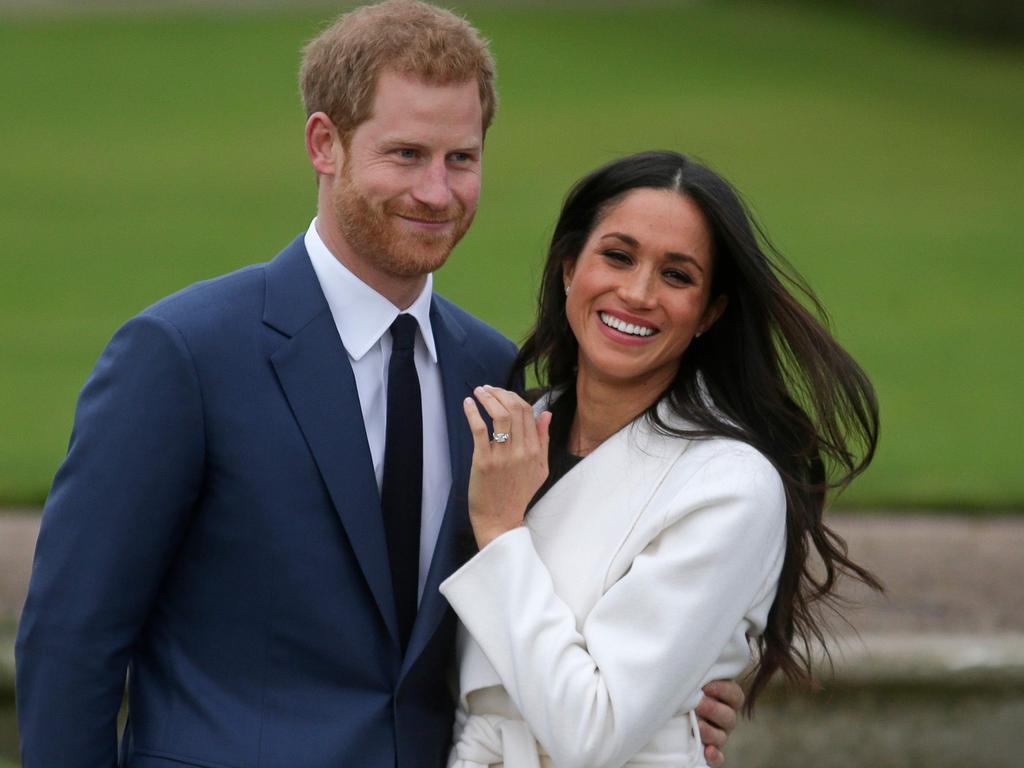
[(637, 289)]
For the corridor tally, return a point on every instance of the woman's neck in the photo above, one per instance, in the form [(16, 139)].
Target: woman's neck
[(603, 408)]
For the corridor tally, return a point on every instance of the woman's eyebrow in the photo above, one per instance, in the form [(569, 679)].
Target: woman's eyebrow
[(673, 256), (629, 240)]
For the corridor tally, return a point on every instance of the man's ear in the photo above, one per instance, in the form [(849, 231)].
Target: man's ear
[(713, 312), (323, 144)]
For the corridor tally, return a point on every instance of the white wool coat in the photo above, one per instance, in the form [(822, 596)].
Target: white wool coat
[(587, 634)]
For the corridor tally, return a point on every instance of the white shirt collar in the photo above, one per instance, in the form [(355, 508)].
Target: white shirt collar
[(361, 314)]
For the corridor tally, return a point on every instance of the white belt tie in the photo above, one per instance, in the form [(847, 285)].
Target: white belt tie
[(484, 740), (489, 739)]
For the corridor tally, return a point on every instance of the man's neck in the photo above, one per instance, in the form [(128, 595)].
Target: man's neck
[(400, 291)]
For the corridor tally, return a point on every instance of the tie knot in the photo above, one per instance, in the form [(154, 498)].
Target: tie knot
[(403, 332)]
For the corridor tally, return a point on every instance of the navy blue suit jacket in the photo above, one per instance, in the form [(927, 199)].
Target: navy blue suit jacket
[(215, 530)]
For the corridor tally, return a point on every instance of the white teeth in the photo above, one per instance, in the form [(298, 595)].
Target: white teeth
[(621, 325)]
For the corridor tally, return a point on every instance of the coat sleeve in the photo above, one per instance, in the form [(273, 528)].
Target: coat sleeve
[(594, 696), (115, 515)]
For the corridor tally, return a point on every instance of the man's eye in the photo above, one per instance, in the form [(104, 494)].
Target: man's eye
[(407, 154), (461, 157)]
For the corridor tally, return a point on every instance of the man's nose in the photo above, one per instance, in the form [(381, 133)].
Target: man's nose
[(432, 188)]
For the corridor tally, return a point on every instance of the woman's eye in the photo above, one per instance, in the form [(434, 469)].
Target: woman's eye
[(619, 256), (678, 276)]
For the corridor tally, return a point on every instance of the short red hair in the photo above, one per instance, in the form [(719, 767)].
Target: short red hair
[(341, 65)]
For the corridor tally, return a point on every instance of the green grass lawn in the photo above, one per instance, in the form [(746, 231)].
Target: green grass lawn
[(141, 154)]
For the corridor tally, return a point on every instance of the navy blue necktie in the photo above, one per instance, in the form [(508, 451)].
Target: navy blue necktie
[(402, 488)]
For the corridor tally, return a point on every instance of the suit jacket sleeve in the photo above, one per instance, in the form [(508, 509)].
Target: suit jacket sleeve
[(115, 515), (594, 695)]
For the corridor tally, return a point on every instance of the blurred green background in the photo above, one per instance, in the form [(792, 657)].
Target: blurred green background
[(142, 152)]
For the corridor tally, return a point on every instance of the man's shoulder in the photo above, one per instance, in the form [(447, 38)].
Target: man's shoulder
[(222, 302), (479, 341), (476, 330), (213, 298)]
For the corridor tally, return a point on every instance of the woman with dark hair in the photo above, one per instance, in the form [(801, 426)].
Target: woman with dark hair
[(694, 416)]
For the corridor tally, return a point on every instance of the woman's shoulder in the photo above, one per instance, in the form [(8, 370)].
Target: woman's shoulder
[(723, 453), (718, 450), (719, 487), (719, 469)]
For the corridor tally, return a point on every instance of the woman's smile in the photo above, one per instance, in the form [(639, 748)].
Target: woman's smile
[(625, 326)]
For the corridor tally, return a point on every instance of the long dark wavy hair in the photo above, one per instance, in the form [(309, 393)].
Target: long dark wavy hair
[(768, 372)]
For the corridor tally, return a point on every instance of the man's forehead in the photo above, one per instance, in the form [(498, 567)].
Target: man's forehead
[(397, 85), (410, 109)]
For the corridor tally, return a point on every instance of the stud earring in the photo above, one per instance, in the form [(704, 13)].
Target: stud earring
[(566, 289)]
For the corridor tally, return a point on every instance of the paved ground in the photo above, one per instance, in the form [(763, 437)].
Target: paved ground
[(943, 573), (17, 541), (954, 600)]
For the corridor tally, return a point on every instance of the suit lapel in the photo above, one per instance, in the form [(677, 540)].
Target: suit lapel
[(613, 502), (460, 372), (316, 376)]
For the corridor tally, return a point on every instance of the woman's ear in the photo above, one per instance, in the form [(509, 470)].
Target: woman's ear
[(712, 313), (568, 268)]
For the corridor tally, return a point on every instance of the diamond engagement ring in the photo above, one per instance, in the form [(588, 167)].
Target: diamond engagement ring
[(500, 437)]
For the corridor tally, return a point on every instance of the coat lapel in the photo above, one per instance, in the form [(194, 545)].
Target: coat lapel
[(316, 376), (612, 486)]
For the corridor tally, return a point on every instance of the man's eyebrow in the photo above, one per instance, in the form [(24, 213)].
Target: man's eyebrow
[(671, 255), (399, 141)]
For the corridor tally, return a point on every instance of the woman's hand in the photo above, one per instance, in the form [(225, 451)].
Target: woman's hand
[(505, 475), (717, 713)]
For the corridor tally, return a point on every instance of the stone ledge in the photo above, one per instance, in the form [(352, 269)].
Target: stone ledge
[(7, 667), (962, 659), (871, 659)]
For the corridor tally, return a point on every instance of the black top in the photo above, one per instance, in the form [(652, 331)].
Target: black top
[(560, 460)]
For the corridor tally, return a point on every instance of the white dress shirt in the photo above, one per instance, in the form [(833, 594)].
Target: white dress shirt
[(363, 318)]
